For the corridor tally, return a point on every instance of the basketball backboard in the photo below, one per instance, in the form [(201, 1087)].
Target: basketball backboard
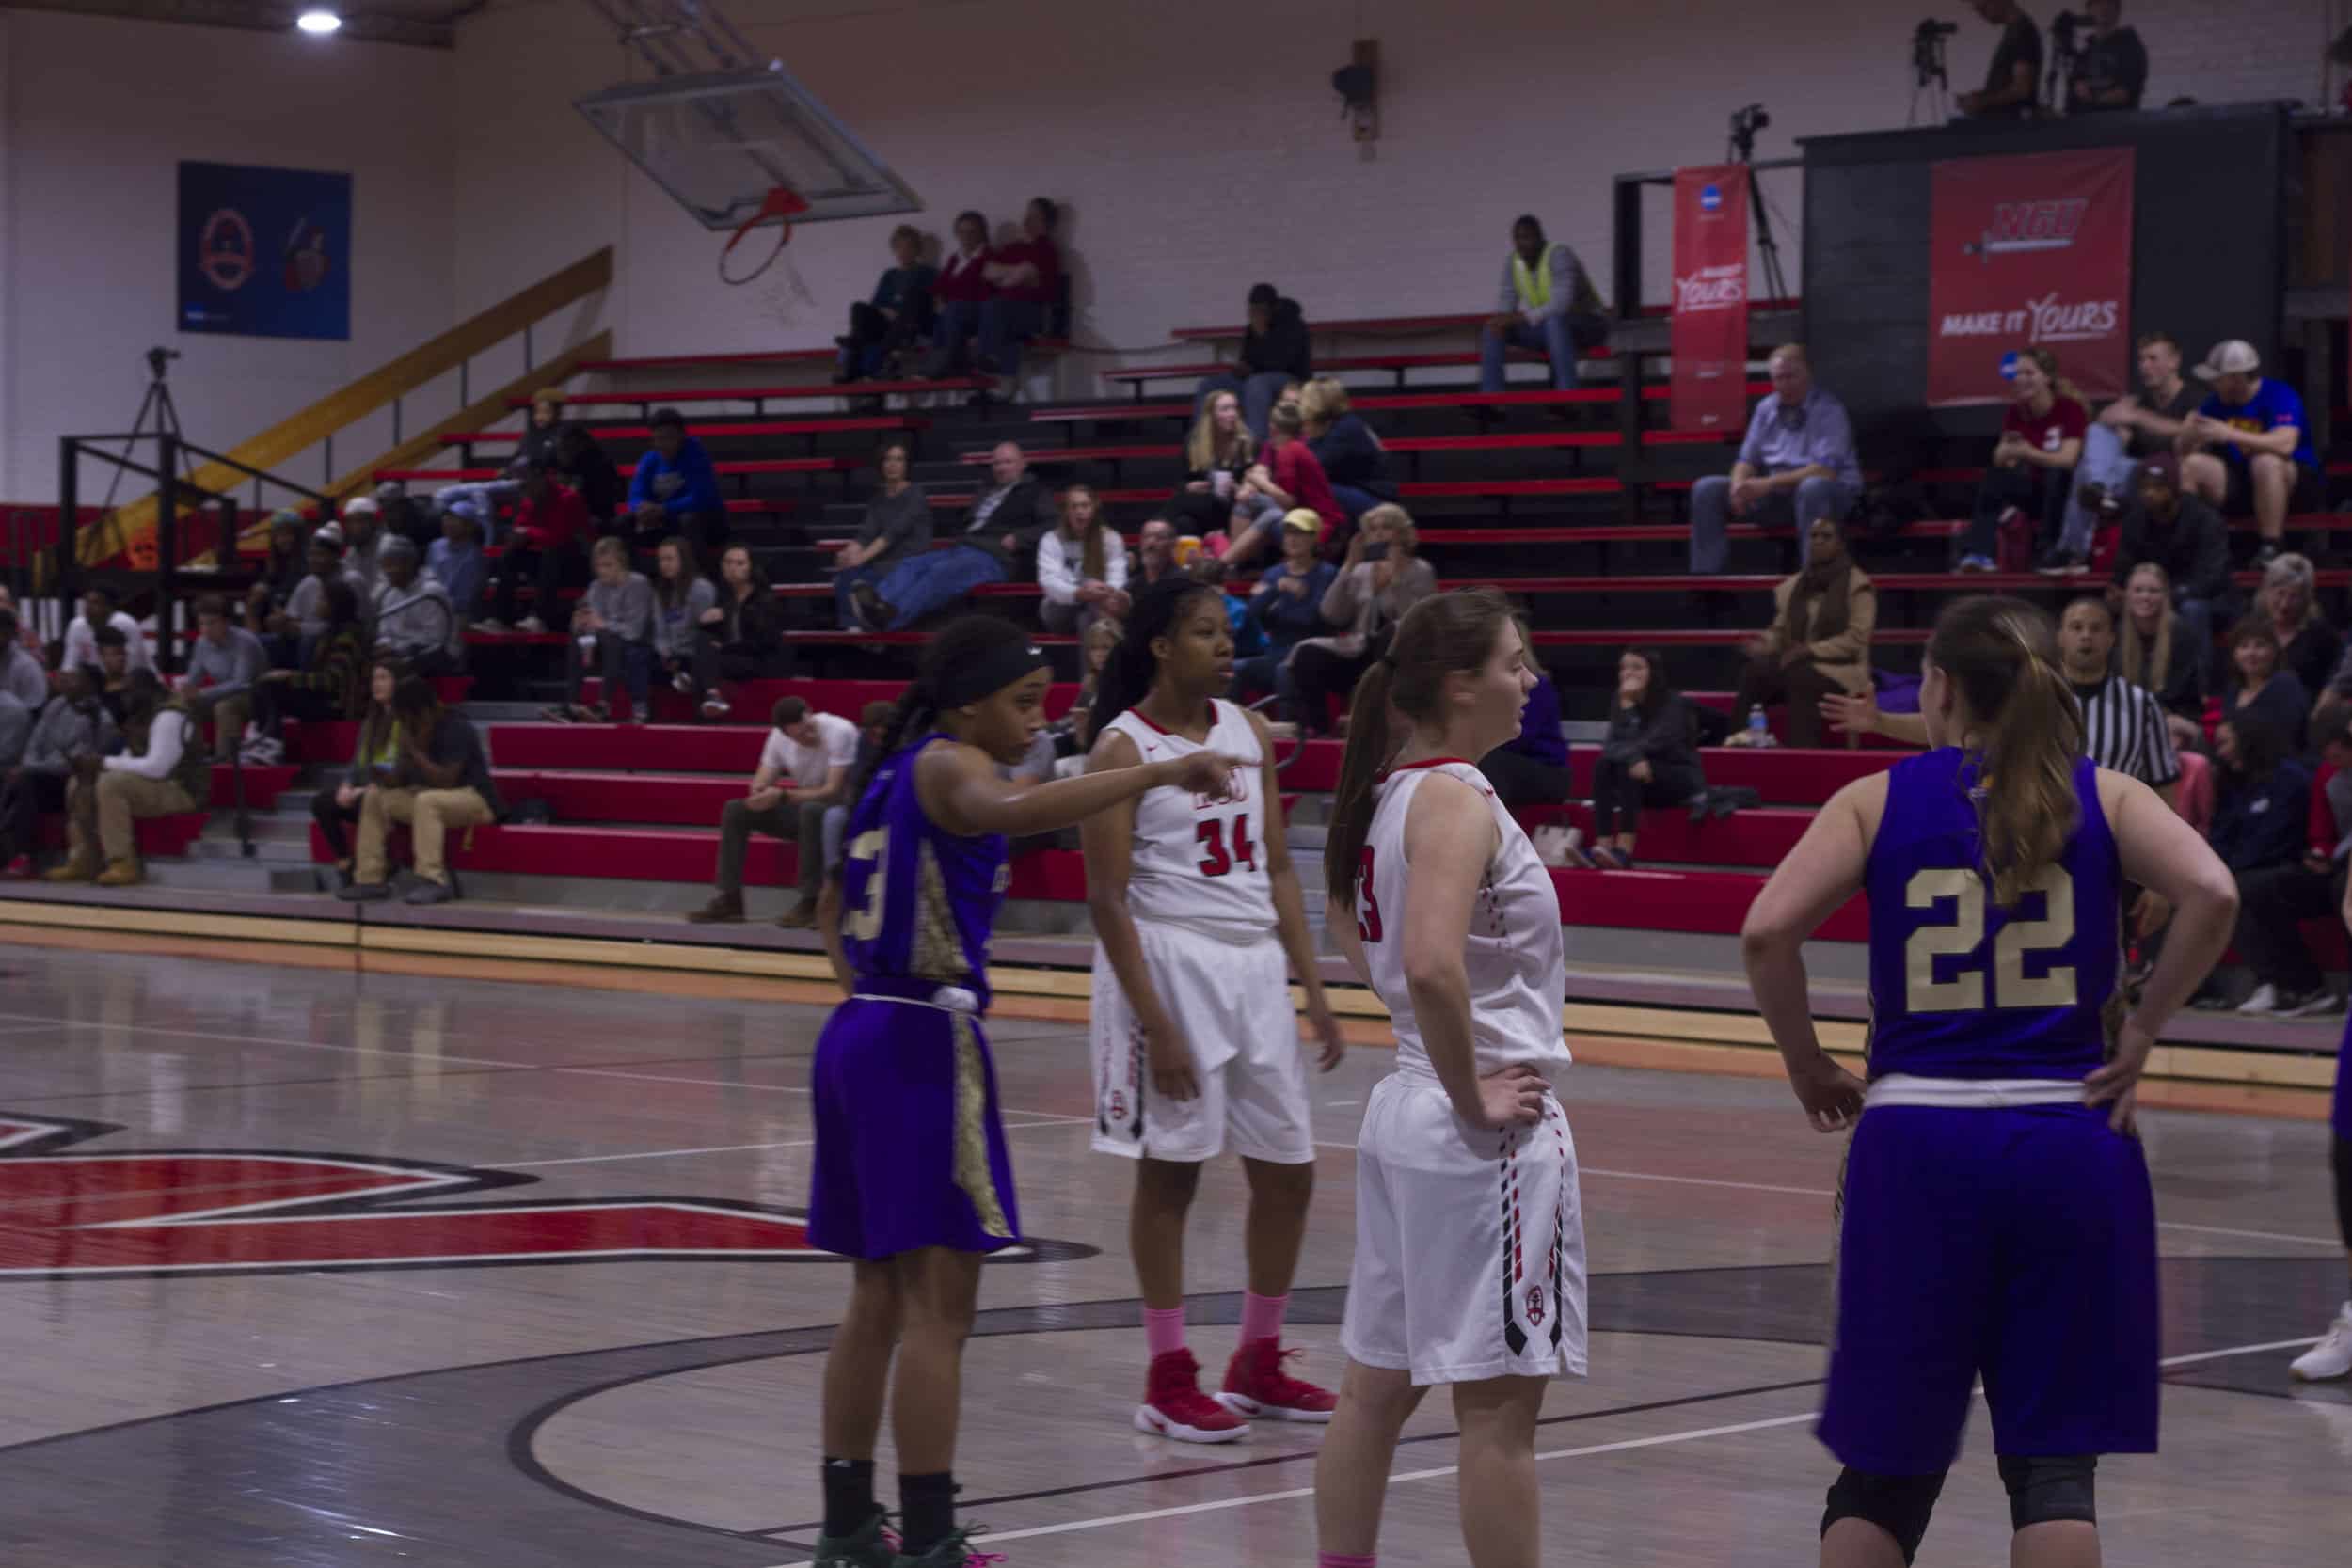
[(721, 143)]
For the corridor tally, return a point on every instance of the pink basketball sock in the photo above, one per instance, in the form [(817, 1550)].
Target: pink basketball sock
[(1342, 1559), (1164, 1329), (1261, 1316)]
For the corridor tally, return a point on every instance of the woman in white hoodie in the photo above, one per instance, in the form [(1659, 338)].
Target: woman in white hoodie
[(1080, 564)]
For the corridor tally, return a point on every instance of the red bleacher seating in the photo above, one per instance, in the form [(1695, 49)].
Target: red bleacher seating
[(666, 395), (734, 466), (714, 431)]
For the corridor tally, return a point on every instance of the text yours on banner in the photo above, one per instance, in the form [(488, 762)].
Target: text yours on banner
[(2031, 252), (1711, 303)]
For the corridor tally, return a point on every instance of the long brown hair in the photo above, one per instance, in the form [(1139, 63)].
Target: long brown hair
[(1092, 565), (1444, 634), (2047, 363), (2147, 669), (375, 724), (2001, 654)]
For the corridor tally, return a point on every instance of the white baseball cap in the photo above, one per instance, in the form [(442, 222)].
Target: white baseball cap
[(2229, 356), (362, 506)]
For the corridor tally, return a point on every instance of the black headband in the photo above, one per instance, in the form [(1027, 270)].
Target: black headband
[(990, 674)]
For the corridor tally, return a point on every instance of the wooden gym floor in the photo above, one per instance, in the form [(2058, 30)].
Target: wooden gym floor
[(309, 1268)]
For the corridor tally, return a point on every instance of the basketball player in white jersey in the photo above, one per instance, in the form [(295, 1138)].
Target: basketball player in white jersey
[(1469, 1239), (1199, 924)]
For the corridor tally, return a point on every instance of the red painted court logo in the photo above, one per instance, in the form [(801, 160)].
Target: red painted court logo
[(197, 1212), (1535, 1308)]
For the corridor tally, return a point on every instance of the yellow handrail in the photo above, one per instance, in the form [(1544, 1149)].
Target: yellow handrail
[(369, 393)]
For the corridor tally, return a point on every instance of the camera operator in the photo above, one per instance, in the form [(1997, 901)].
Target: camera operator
[(2013, 82), (2112, 71)]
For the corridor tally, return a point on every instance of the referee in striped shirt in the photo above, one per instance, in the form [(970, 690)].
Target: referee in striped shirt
[(2124, 728)]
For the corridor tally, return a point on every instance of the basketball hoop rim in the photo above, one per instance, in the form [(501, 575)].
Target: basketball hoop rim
[(781, 206)]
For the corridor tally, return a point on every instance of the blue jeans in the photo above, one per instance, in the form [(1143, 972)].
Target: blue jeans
[(1257, 393), (1710, 516), (1005, 326), (622, 663), (2103, 463), (934, 579), (1559, 338), (958, 319), (843, 607)]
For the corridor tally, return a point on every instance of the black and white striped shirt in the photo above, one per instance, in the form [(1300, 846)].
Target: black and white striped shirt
[(2124, 729)]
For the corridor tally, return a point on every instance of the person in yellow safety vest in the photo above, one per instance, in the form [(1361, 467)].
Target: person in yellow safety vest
[(1547, 302)]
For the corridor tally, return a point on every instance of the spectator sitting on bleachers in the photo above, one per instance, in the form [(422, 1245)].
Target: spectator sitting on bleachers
[(1819, 642), (114, 672), (2274, 901), (1275, 351), (2153, 653), (740, 637), (1027, 275), (2188, 539), (304, 619), (362, 530), (898, 316), (2127, 431), (27, 637), (681, 597), (283, 571), (163, 773), (548, 547), (612, 634), (2033, 464), (415, 622), (455, 560), (73, 725), (1352, 457), (373, 760), (1381, 576), (1219, 455), (2013, 82), (873, 732), (897, 526), (21, 674), (2247, 449), (101, 607), (1797, 464), (402, 517), (1081, 564), (674, 490), (1073, 732), (441, 781), (1290, 476), (2260, 684), (543, 430), (1547, 303), (2262, 810), (2308, 645), (1649, 758), (1288, 605), (581, 463), (224, 664), (332, 683), (1000, 533), (818, 751), (1533, 771), (961, 290), (545, 433), (1154, 558)]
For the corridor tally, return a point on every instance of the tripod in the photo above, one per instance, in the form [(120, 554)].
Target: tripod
[(1928, 76), (156, 404), (1742, 152)]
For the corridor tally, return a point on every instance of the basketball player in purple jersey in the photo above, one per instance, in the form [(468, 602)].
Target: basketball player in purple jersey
[(911, 1179), (1997, 1214)]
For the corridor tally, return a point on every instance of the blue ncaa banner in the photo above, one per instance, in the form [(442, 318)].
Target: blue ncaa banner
[(264, 252)]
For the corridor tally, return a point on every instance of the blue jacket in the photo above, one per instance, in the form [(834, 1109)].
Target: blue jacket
[(685, 488), (2260, 823), (1289, 621)]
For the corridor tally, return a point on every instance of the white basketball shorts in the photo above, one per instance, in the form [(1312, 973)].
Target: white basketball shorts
[(1469, 1243), (1232, 1001)]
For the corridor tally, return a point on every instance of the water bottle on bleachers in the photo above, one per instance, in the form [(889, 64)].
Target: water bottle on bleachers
[(1759, 732)]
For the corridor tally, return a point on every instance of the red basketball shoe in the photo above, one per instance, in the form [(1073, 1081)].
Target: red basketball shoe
[(1174, 1406), (1256, 1385)]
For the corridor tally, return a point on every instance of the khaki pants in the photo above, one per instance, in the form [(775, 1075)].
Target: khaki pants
[(429, 813), (116, 800), (230, 715)]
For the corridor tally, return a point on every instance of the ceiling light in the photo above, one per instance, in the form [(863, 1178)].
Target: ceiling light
[(319, 21)]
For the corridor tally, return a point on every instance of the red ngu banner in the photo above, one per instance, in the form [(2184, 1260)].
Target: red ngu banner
[(1710, 304), (2030, 251)]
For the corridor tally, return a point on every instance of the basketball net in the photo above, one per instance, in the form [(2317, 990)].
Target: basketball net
[(781, 207)]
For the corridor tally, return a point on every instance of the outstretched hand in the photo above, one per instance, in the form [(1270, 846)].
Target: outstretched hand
[(1208, 773)]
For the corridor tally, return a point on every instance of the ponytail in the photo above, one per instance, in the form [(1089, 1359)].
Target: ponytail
[(2002, 656), (1443, 635), (1369, 749)]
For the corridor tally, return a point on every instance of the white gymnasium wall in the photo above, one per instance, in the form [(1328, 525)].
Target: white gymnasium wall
[(95, 116), (1197, 146)]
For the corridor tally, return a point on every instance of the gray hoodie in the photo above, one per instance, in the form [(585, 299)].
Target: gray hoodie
[(624, 606), (66, 732), (418, 619)]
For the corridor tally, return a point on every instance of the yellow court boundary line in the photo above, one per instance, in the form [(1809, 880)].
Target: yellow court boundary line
[(1601, 1034)]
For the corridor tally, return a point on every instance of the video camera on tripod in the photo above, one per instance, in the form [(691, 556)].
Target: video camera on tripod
[(158, 357), (1745, 124), (1926, 51)]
